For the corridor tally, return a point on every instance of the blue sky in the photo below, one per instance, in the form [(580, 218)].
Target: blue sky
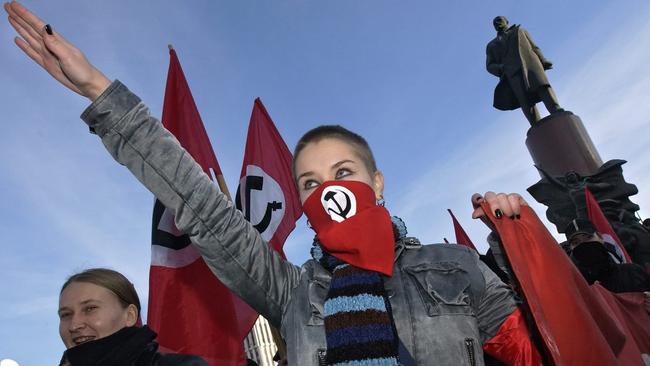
[(409, 76)]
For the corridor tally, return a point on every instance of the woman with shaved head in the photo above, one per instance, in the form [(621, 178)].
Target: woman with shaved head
[(370, 295)]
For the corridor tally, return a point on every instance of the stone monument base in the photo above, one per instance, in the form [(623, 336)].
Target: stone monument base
[(559, 143)]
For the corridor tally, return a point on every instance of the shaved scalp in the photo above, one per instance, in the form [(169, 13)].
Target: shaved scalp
[(358, 143)]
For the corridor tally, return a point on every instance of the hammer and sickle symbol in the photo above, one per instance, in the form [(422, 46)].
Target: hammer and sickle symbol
[(342, 211), (254, 182)]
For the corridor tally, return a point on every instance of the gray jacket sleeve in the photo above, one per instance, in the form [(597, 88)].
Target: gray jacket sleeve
[(230, 246), (496, 305)]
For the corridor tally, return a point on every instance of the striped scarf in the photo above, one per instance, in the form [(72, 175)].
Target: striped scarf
[(359, 326)]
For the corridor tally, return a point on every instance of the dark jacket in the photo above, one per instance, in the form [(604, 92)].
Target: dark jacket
[(131, 346), (626, 277), (596, 264)]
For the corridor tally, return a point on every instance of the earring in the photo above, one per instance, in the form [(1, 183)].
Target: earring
[(381, 202)]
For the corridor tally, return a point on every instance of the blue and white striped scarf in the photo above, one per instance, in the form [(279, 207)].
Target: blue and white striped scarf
[(359, 325)]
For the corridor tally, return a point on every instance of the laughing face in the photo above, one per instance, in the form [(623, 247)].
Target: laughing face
[(88, 312)]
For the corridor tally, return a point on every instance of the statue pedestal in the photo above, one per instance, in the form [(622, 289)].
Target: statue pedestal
[(559, 143), (568, 161)]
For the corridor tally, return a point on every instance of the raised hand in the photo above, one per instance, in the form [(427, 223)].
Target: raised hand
[(500, 204), (52, 52)]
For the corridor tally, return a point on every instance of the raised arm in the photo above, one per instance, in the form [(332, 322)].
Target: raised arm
[(229, 244)]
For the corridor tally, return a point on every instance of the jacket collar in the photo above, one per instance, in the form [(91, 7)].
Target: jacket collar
[(407, 242)]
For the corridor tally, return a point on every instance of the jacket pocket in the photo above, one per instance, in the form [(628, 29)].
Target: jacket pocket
[(442, 286), (317, 293)]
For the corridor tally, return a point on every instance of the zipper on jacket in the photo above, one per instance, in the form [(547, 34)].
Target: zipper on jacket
[(320, 355), (469, 346)]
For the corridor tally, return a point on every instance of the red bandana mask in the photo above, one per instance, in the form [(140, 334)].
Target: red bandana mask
[(350, 226)]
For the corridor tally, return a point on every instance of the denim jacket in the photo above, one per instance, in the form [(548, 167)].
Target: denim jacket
[(445, 302)]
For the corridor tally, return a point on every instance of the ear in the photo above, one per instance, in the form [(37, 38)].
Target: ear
[(131, 315), (378, 184)]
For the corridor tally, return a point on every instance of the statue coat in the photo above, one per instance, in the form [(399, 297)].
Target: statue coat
[(515, 58)]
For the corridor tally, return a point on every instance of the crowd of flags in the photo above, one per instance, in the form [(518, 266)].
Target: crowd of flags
[(194, 313)]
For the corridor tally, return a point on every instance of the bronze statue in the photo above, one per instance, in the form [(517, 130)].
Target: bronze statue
[(519, 63)]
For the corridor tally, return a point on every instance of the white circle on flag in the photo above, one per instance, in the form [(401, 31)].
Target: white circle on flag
[(339, 202), (267, 204)]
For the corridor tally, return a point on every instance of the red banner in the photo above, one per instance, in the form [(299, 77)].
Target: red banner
[(576, 327), (189, 308), (266, 195), (629, 310), (461, 236), (597, 217)]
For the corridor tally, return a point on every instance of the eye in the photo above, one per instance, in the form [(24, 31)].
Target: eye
[(342, 173), (65, 315), (309, 184), (90, 308)]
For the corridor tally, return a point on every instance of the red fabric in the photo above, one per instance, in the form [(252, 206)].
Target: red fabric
[(181, 117), (597, 217), (629, 310), (575, 326), (193, 313), (189, 308), (461, 236), (266, 150), (267, 159), (512, 345), (363, 238)]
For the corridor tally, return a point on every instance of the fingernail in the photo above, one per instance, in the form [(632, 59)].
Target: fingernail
[(498, 213), (48, 29), (517, 216)]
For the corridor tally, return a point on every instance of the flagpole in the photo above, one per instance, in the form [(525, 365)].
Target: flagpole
[(222, 185)]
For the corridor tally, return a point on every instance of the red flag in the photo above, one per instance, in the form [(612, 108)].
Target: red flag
[(597, 217), (192, 311), (577, 328), (461, 236), (267, 195), (629, 310)]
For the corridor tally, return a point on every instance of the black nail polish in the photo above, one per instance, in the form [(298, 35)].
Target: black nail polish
[(48, 29), (517, 217), (498, 214)]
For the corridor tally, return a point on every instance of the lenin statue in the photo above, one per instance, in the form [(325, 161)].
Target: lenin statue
[(519, 63)]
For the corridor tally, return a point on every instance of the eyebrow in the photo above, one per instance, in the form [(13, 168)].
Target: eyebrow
[(335, 165), (81, 303), (342, 162)]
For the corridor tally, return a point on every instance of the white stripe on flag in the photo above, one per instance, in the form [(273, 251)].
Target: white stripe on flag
[(166, 257)]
